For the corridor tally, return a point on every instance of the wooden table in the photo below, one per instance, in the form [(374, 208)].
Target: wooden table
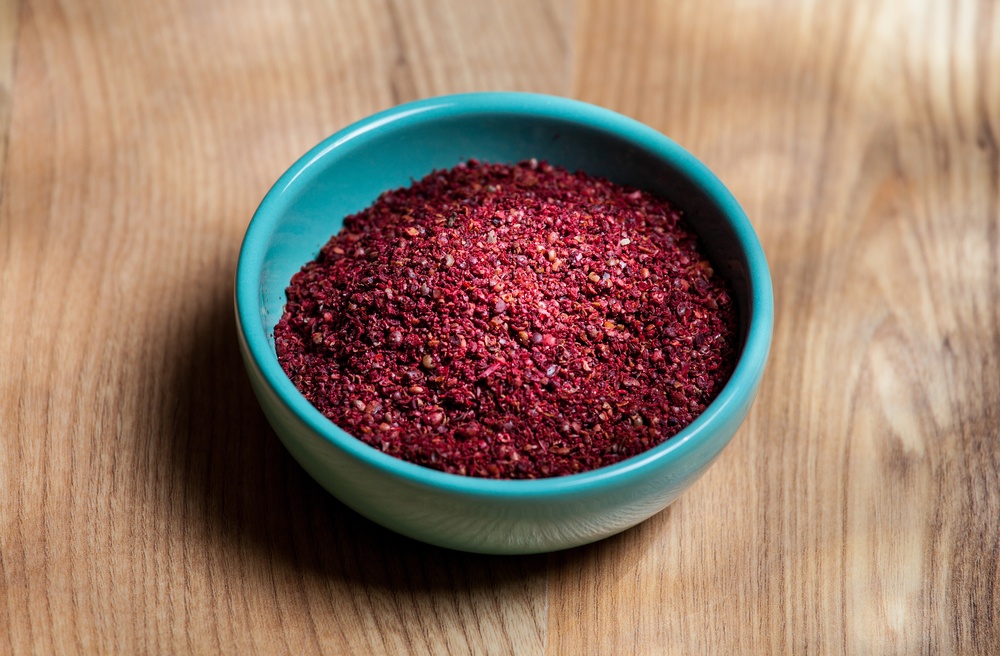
[(146, 507)]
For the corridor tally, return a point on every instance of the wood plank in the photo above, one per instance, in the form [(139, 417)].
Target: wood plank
[(856, 510), (145, 505)]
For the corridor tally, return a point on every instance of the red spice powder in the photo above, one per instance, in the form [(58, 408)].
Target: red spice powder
[(510, 322)]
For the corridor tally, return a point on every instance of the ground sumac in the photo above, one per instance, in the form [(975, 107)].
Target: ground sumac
[(510, 322)]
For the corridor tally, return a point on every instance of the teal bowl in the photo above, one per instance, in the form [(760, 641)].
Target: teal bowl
[(346, 173)]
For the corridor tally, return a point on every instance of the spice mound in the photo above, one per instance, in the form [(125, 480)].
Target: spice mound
[(510, 322)]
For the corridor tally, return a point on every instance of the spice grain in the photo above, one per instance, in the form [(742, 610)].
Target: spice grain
[(510, 322)]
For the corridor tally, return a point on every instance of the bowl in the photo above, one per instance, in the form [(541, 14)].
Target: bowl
[(346, 172)]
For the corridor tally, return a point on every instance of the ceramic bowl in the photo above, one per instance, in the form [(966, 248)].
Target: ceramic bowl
[(346, 173)]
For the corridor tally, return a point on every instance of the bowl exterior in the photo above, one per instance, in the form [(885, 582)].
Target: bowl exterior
[(484, 523), (346, 172)]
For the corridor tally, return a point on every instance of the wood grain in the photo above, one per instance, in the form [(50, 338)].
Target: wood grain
[(8, 45), (855, 513), (146, 507)]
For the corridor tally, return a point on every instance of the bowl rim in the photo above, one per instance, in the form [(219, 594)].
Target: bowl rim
[(744, 379)]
